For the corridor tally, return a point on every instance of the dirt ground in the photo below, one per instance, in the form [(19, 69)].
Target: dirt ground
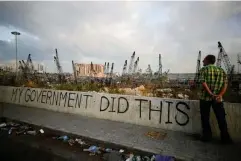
[(11, 150), (39, 148), (42, 147)]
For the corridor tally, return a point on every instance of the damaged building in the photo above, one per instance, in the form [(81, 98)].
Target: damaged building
[(97, 70)]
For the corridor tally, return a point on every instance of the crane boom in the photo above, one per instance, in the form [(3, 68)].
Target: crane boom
[(136, 65), (108, 69), (105, 68), (28, 60), (25, 66), (149, 70), (28, 65), (31, 65), (59, 68), (21, 66), (239, 59), (239, 62), (224, 56), (198, 67), (112, 69), (92, 71), (131, 63), (124, 68), (56, 59)]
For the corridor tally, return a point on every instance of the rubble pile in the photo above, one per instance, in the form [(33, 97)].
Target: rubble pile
[(107, 154), (171, 93), (162, 93)]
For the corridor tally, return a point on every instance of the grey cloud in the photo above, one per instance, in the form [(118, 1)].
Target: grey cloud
[(6, 51), (109, 31)]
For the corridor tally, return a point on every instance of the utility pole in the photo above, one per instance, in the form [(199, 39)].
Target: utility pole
[(160, 66), (16, 34), (74, 71)]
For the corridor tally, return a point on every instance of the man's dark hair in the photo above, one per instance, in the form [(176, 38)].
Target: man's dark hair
[(211, 59)]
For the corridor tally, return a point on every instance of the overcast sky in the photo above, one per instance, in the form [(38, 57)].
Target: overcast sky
[(110, 32)]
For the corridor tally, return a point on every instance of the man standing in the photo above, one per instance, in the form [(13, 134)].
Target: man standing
[(214, 84)]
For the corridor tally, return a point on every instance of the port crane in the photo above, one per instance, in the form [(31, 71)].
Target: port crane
[(74, 70), (223, 57), (130, 70), (58, 66), (198, 68), (124, 68), (136, 65)]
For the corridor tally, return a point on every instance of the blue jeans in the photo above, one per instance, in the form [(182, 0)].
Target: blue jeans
[(218, 108)]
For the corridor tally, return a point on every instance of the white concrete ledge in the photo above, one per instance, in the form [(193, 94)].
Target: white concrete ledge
[(169, 114)]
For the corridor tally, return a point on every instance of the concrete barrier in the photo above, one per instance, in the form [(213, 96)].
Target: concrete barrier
[(169, 114)]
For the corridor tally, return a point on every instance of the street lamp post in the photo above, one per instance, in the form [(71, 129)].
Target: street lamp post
[(15, 33)]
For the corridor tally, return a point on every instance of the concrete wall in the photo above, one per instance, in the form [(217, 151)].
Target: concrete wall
[(170, 114)]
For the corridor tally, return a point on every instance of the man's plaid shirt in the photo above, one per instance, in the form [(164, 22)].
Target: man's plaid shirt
[(215, 77)]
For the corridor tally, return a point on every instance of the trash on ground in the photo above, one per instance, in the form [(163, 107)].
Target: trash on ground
[(93, 150), (32, 132), (71, 142), (109, 154), (3, 125), (108, 150), (79, 141), (41, 131), (138, 158), (121, 151), (25, 127), (21, 132), (146, 158), (10, 131), (163, 158), (4, 128), (153, 158), (12, 124), (131, 156), (64, 138), (113, 156)]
